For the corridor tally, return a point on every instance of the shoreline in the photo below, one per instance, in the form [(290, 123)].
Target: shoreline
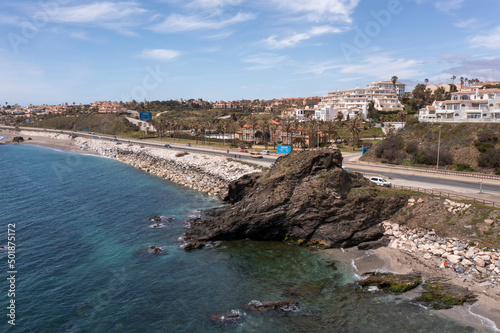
[(202, 172), (483, 314), (486, 309)]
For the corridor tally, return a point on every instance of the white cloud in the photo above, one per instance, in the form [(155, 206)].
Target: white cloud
[(383, 67), (295, 39), (449, 5), (316, 10), (160, 54), (97, 12), (466, 23), (180, 23), (265, 61), (214, 3), (490, 41)]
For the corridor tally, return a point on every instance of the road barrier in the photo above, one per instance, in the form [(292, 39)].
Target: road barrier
[(449, 195)]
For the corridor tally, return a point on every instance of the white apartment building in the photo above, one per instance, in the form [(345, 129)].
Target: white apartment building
[(353, 102), (479, 105)]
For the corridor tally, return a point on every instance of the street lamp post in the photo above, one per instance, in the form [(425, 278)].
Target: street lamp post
[(439, 144)]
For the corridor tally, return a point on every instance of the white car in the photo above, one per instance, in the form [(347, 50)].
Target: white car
[(264, 152), (380, 181)]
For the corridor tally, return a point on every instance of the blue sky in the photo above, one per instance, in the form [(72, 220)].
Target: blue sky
[(57, 51)]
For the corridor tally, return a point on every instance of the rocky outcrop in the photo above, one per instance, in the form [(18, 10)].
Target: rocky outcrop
[(306, 197), (285, 305), (397, 283), (442, 295)]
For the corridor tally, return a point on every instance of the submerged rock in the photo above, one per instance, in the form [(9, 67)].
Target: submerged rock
[(155, 249), (392, 282), (161, 218), (306, 198), (193, 245), (285, 305), (442, 295), (227, 318)]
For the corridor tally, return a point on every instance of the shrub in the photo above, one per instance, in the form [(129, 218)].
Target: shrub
[(429, 157), (464, 167), (390, 149), (412, 147), (490, 159)]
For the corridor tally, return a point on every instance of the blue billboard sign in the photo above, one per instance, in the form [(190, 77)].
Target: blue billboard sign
[(145, 116), (27, 120), (284, 149), (84, 128)]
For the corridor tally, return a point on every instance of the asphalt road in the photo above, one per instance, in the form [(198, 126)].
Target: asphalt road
[(441, 183)]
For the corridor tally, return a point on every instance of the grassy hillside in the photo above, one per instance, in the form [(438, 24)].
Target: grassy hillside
[(100, 123), (463, 147)]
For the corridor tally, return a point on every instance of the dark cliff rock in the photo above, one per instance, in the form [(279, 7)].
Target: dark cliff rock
[(305, 197)]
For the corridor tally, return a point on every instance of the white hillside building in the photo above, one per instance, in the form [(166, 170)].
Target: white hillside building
[(353, 102), (479, 105)]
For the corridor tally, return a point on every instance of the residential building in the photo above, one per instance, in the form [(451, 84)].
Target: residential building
[(467, 105), (353, 102)]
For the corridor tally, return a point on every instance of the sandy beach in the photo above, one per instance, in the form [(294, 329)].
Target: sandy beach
[(62, 143), (484, 314)]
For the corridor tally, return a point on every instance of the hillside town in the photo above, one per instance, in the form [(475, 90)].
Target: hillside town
[(302, 122)]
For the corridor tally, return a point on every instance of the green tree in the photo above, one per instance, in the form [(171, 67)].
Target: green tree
[(355, 127)]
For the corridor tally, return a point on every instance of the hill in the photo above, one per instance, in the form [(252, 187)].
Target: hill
[(100, 123), (462, 147)]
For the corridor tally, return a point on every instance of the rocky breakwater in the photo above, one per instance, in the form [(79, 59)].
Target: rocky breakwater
[(307, 198), (479, 264), (205, 173)]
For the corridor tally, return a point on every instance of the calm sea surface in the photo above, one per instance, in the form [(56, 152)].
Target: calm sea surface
[(81, 228)]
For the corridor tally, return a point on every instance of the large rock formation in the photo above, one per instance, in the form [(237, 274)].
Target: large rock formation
[(306, 197)]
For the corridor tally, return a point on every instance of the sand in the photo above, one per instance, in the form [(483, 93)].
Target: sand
[(66, 144)]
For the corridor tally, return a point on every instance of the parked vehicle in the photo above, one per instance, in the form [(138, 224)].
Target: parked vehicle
[(264, 152), (168, 146), (115, 139), (188, 144), (243, 151), (380, 181), (255, 155)]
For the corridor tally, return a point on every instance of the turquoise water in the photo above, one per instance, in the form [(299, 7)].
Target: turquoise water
[(82, 262)]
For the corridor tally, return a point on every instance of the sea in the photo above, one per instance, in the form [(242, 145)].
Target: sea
[(80, 229)]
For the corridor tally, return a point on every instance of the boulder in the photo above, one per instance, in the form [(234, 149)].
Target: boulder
[(18, 139), (454, 259), (305, 196)]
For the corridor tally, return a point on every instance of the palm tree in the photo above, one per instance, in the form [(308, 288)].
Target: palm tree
[(254, 123), (453, 79), (402, 116), (426, 81), (355, 128), (394, 80), (462, 80), (330, 128), (287, 125), (273, 129)]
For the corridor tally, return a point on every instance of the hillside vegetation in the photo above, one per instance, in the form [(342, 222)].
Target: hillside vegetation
[(463, 147), (100, 123)]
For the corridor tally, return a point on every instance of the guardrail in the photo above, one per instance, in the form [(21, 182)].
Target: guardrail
[(449, 195), (427, 170)]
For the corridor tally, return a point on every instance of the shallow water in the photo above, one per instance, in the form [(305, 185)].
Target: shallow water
[(82, 262)]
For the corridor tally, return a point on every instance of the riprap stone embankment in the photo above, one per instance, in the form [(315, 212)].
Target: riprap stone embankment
[(202, 172)]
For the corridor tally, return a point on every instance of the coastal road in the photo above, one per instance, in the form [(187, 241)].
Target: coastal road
[(459, 185), (265, 161)]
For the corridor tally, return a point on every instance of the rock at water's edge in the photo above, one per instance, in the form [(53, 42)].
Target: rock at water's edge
[(305, 198)]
